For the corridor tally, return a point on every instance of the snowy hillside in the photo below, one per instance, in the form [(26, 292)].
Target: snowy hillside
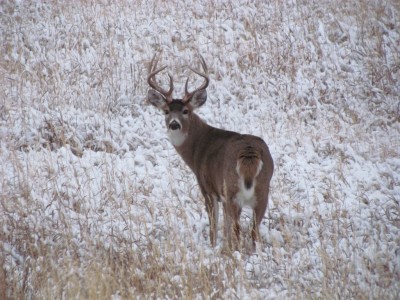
[(96, 204)]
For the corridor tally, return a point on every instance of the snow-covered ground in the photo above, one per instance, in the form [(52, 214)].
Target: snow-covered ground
[(96, 204)]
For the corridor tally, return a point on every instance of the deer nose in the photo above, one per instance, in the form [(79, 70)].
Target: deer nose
[(174, 125)]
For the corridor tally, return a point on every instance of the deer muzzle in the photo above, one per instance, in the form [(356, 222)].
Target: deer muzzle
[(174, 125)]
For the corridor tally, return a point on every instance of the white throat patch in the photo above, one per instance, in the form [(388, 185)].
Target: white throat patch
[(176, 137)]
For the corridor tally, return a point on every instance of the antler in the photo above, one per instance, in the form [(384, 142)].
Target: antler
[(153, 83), (204, 74)]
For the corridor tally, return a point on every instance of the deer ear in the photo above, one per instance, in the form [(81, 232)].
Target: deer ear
[(155, 98), (199, 98)]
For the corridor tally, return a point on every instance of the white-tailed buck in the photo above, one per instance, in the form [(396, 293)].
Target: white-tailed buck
[(231, 168)]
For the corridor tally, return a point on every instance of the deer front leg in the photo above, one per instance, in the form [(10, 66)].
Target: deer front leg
[(212, 211)]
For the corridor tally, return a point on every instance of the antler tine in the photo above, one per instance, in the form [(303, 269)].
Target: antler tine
[(203, 63), (153, 83), (204, 74), (153, 66)]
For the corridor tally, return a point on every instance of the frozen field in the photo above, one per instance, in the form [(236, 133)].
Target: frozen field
[(96, 204)]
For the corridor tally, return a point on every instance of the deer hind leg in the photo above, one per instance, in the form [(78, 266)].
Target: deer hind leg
[(258, 215), (212, 212), (232, 213)]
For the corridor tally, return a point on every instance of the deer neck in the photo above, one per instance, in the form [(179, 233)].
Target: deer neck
[(187, 150)]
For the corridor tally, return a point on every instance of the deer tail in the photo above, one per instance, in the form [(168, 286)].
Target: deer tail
[(249, 165)]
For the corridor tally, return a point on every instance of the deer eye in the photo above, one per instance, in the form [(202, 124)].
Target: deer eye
[(185, 111), (166, 111)]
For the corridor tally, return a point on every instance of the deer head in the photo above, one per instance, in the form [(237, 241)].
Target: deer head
[(177, 111)]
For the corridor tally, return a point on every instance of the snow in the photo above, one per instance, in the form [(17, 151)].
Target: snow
[(86, 164)]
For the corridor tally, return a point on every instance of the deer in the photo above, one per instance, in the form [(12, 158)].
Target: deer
[(231, 168)]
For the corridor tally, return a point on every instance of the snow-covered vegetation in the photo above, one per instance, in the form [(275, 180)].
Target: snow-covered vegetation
[(96, 204)]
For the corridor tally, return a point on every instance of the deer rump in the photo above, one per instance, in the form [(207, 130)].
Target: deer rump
[(233, 169)]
